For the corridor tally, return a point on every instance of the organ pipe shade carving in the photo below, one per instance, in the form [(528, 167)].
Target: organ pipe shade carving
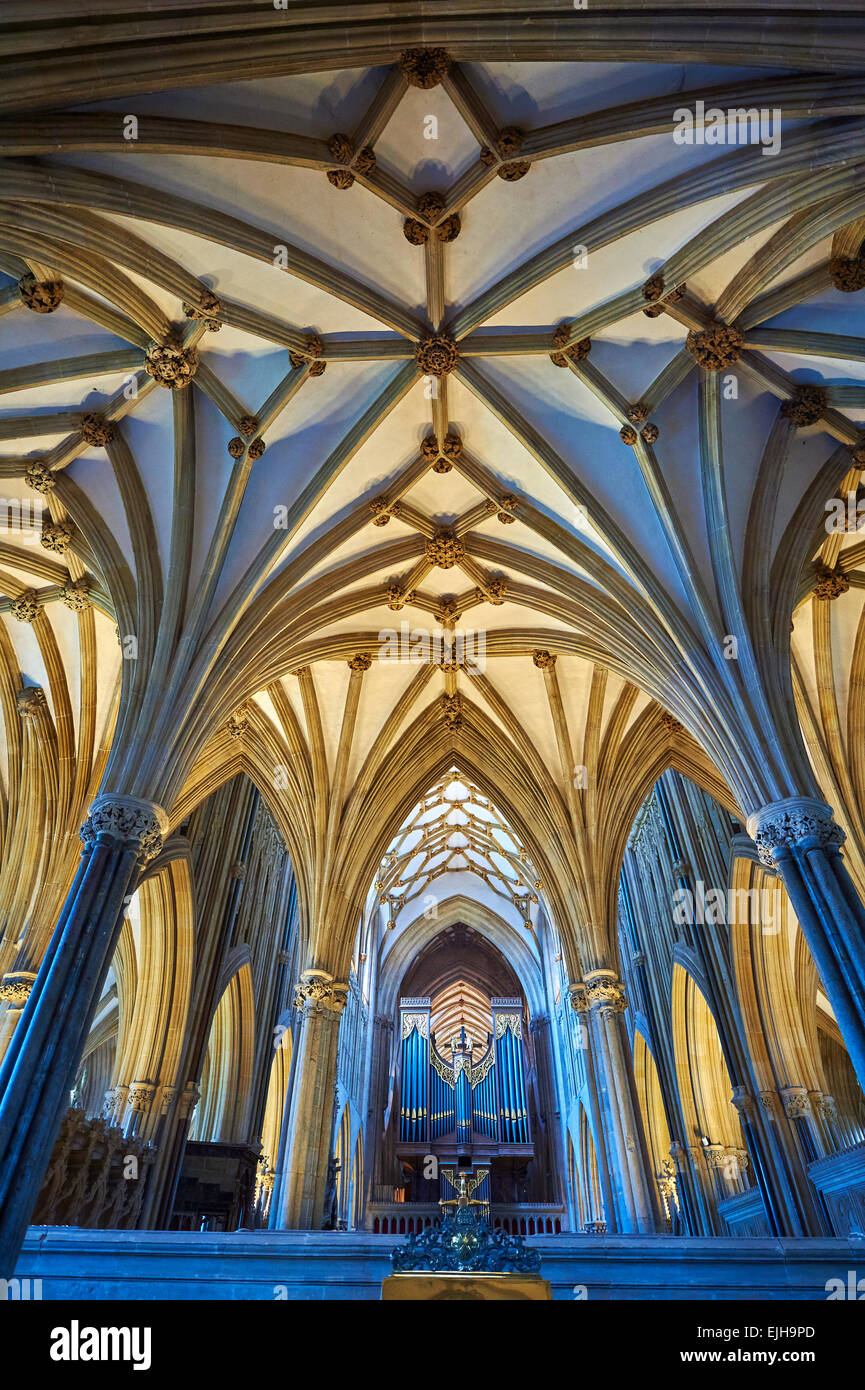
[(415, 1076), (466, 1098)]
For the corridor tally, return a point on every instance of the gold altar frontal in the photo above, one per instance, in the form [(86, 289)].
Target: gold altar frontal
[(483, 1287)]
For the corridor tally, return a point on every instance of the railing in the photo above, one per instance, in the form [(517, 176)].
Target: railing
[(409, 1218)]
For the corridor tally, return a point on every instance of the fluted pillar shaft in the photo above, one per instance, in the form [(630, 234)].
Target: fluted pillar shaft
[(798, 839), (320, 1001), (119, 836), (606, 1000)]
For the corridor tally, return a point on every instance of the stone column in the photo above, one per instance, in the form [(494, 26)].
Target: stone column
[(320, 1000), (549, 1112), (382, 1046), (120, 835), (579, 1004), (798, 839), (606, 1000)]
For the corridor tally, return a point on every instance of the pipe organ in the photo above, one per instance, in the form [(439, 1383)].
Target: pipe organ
[(508, 1033), (462, 1096), (414, 1109)]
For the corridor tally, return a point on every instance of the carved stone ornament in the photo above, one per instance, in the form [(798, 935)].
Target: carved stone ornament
[(238, 723), (577, 352), (508, 505), (447, 611), (57, 536), (15, 988), (430, 207), (311, 357), (236, 447), (396, 598), (257, 447), (715, 347), (452, 706), (826, 1105), (39, 478), (848, 273), (829, 583), (341, 148), (797, 1104), (799, 821), (579, 1002), (437, 355), (628, 435), (317, 990), (604, 992), (653, 289), (248, 425), (415, 232), (424, 67), (654, 292), (806, 406), (544, 661), (430, 448), (171, 365), (445, 549), (650, 433), (127, 820), (76, 595), (743, 1102), (26, 606), (42, 296), (140, 1095), (96, 429), (496, 592), (361, 662), (340, 178), (207, 310), (31, 701)]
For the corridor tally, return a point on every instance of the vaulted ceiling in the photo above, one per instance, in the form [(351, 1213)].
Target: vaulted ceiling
[(317, 323)]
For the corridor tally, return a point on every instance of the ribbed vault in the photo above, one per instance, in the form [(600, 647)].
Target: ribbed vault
[(389, 455)]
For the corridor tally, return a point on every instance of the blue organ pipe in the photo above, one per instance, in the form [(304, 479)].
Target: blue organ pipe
[(412, 1093), (502, 1057), (521, 1088), (512, 1087)]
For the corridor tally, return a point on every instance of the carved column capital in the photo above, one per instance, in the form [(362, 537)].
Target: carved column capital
[(743, 1102), (127, 820), (579, 1002), (31, 701), (190, 1097), (604, 992), (140, 1095), (800, 821), (15, 987), (795, 1101), (826, 1106), (317, 990)]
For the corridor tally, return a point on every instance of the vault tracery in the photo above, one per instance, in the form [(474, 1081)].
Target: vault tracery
[(455, 829)]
